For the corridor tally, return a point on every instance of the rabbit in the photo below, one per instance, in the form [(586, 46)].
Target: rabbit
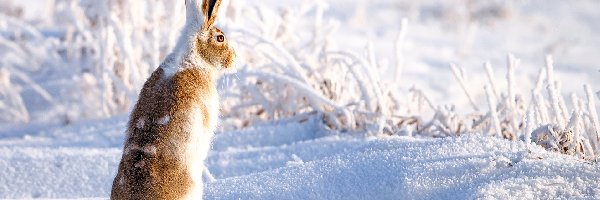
[(170, 129)]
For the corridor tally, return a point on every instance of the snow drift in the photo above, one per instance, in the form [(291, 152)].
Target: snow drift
[(331, 99), (314, 164)]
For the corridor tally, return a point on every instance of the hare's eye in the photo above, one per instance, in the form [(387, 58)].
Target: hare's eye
[(220, 38)]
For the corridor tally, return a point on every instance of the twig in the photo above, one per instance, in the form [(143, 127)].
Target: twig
[(462, 83), (491, 79), (400, 43), (493, 112), (554, 99), (593, 113)]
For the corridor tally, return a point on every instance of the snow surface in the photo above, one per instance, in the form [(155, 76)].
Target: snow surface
[(287, 160)]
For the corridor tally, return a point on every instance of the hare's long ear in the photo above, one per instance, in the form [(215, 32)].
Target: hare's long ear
[(192, 12), (210, 9)]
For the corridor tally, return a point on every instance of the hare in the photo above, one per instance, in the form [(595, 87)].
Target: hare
[(170, 128)]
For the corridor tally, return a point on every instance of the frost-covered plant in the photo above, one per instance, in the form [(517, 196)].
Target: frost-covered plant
[(96, 54), (11, 104), (553, 138), (345, 88), (107, 48), (282, 81), (544, 120)]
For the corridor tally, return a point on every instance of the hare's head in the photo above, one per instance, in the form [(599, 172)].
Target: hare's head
[(209, 42)]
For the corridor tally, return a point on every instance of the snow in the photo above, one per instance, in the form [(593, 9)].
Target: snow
[(404, 168), (66, 172), (263, 162), (140, 123), (312, 111), (164, 120)]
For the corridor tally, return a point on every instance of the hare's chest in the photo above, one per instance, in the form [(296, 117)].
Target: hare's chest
[(212, 105), (203, 119)]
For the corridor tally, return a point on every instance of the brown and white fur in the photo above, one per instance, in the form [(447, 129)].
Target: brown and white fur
[(171, 126)]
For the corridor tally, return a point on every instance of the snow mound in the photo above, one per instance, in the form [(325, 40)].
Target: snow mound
[(302, 161), (29, 172), (453, 168)]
